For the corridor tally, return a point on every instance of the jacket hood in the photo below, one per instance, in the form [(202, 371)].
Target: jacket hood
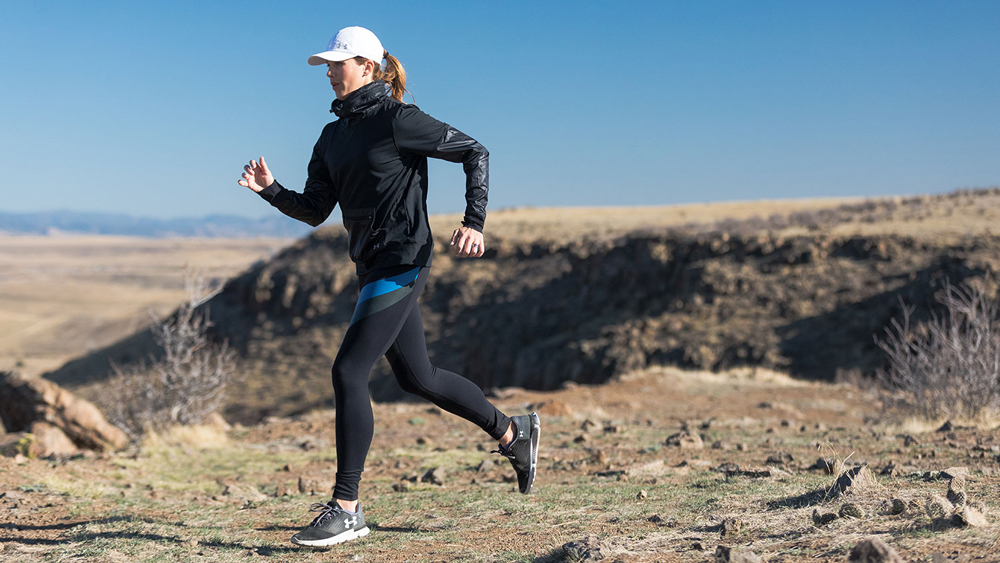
[(361, 101)]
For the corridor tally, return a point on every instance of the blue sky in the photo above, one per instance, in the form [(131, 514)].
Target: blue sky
[(152, 108)]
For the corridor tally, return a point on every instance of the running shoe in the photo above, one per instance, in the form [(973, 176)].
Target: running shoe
[(334, 525), (523, 450)]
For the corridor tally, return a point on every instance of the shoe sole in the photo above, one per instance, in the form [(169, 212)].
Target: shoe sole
[(339, 538), (536, 431)]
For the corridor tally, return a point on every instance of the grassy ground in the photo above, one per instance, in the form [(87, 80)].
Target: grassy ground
[(606, 472)]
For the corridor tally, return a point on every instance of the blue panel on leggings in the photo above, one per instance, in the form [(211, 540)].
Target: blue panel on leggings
[(383, 286)]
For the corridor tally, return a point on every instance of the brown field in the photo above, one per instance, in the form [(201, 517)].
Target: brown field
[(64, 296)]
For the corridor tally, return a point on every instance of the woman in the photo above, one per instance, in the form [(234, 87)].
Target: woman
[(373, 162)]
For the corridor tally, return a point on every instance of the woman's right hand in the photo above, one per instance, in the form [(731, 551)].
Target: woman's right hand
[(256, 176)]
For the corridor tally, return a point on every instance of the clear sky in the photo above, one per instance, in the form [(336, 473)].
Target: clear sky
[(152, 108)]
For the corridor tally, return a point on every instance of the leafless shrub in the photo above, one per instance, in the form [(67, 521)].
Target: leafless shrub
[(185, 383), (949, 366)]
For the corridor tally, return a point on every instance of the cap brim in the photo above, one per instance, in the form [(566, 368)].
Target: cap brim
[(329, 56)]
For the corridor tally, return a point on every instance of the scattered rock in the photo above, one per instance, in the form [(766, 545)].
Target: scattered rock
[(824, 465), (651, 469), (938, 507), (246, 493), (733, 470), (946, 427), (823, 518), (613, 429), (434, 476), (588, 425), (956, 491), (642, 495), (898, 507), (282, 490), (968, 516), (779, 458), (891, 470), (685, 440), (656, 519), (311, 486), (553, 407), (742, 447), (874, 551), (909, 440), (587, 549), (725, 554), (953, 472), (581, 439), (851, 510), (731, 527), (401, 486), (424, 441), (855, 480)]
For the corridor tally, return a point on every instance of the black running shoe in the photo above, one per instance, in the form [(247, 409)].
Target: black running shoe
[(334, 525), (523, 451)]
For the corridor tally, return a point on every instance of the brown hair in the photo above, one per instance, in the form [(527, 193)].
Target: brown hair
[(393, 75)]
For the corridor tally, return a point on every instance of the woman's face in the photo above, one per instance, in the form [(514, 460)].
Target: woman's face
[(347, 76)]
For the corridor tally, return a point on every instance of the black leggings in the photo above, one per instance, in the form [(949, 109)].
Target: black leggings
[(387, 322)]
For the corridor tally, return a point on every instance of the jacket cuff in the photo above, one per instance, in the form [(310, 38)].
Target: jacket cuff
[(472, 224), (269, 192)]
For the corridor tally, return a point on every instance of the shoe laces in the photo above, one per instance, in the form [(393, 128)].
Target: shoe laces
[(325, 511), (506, 452)]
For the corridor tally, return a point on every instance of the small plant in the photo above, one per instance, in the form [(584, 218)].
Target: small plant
[(185, 383), (949, 366)]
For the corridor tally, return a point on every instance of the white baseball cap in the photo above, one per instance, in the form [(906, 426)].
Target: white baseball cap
[(350, 42)]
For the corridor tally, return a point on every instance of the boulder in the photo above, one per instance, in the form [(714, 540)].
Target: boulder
[(685, 440), (51, 440), (874, 551), (725, 554), (968, 516), (26, 400), (587, 549), (855, 480)]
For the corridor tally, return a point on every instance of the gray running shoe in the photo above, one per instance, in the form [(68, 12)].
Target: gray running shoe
[(334, 525), (523, 451)]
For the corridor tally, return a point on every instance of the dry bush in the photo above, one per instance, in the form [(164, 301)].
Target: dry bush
[(185, 383), (949, 366)]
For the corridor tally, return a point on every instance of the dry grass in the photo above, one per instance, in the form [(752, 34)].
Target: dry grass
[(62, 297)]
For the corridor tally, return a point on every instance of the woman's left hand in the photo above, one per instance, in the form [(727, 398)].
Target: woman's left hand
[(468, 242)]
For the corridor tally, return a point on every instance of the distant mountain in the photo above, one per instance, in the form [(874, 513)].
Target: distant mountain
[(223, 226)]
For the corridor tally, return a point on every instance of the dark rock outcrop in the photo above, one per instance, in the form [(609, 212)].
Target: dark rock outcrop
[(536, 315)]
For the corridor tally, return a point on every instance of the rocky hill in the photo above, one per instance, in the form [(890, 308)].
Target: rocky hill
[(803, 293)]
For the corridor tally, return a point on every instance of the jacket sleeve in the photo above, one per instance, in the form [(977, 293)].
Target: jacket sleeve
[(316, 201), (416, 132)]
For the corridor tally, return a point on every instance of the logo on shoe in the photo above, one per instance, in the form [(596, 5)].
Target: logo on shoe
[(350, 521)]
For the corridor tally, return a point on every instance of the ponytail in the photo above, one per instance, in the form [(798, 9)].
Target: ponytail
[(393, 75)]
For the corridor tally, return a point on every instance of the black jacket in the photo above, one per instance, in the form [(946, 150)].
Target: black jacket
[(373, 162)]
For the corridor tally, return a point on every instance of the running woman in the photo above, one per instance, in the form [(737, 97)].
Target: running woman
[(373, 162)]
